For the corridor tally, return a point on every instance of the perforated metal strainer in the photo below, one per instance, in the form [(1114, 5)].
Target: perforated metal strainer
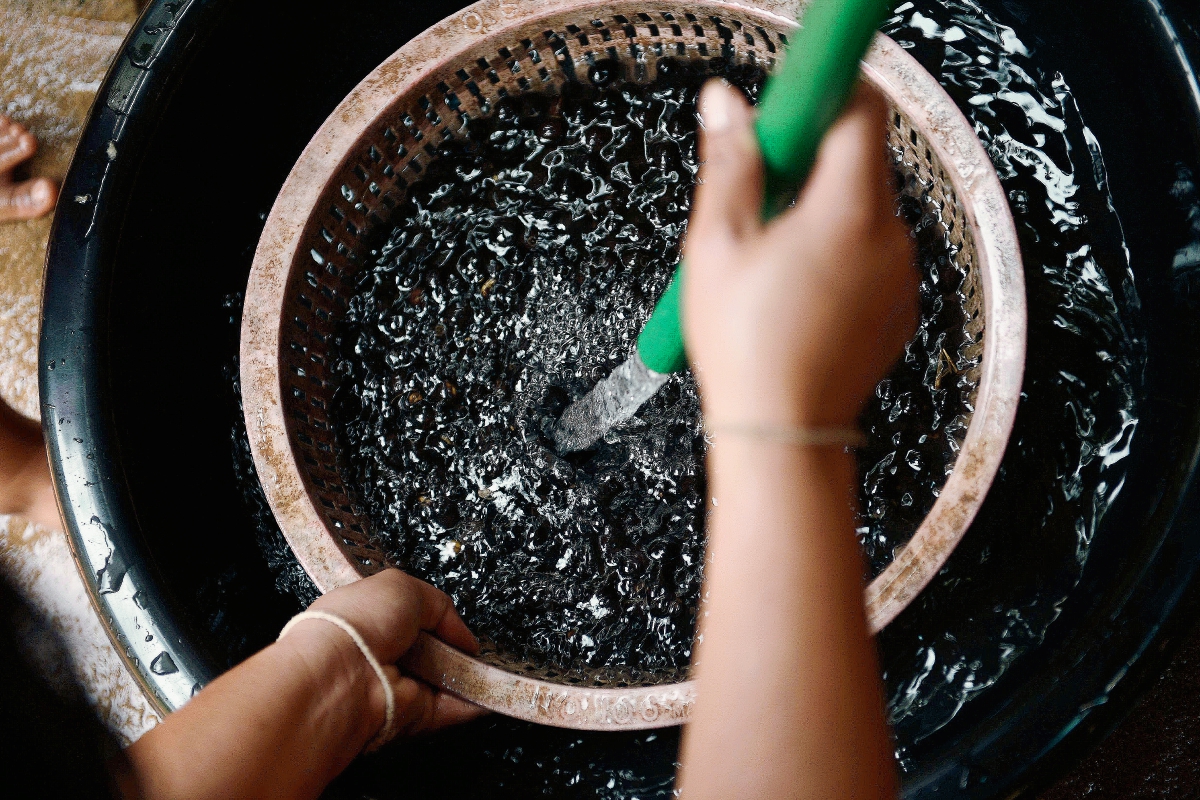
[(354, 173)]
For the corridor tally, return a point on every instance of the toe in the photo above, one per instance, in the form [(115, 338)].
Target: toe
[(27, 200), (16, 145)]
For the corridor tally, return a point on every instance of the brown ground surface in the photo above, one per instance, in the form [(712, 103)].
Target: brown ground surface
[(1155, 753), (53, 55)]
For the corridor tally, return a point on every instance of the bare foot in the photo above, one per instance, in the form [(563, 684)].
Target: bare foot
[(25, 199)]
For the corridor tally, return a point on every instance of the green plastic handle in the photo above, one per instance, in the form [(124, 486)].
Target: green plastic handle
[(799, 103)]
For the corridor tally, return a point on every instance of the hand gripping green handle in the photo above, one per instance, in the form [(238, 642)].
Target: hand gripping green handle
[(799, 103)]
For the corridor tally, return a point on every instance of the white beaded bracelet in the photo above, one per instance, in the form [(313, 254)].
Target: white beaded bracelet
[(385, 733)]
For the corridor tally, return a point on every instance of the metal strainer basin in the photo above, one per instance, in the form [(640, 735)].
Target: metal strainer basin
[(355, 171)]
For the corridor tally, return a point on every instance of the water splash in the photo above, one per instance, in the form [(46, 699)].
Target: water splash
[(614, 400), (1067, 458), (1066, 461), (519, 273)]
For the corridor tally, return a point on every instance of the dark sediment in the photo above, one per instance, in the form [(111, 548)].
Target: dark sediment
[(995, 599), (519, 272)]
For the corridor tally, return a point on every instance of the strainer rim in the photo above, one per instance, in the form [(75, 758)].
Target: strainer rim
[(906, 83)]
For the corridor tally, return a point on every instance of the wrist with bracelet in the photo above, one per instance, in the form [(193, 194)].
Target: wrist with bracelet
[(802, 436), (388, 730)]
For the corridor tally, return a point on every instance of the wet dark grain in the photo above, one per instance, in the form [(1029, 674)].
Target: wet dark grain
[(519, 272)]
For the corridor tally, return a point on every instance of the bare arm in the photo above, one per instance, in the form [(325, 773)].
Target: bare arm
[(789, 325), (289, 719)]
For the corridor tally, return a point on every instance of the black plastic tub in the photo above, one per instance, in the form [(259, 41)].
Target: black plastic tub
[(192, 134)]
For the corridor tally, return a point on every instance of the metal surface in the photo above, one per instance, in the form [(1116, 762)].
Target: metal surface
[(354, 171)]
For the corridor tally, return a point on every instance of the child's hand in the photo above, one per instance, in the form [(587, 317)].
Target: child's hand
[(287, 720), (789, 325), (793, 323), (389, 610)]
